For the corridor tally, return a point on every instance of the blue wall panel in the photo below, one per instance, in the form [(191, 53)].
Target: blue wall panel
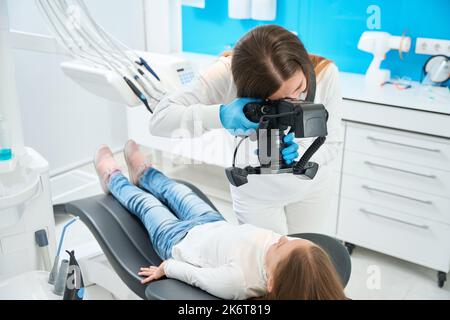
[(327, 27)]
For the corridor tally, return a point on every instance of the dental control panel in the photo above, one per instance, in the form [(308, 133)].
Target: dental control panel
[(185, 73)]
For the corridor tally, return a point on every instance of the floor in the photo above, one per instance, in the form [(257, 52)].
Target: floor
[(374, 275)]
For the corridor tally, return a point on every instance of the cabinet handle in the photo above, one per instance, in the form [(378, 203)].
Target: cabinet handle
[(396, 195), (429, 176), (421, 226), (403, 144)]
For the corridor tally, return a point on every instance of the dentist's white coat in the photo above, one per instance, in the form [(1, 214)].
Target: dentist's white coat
[(279, 202)]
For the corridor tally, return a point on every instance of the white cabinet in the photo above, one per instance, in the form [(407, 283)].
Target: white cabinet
[(422, 150), (394, 194), (400, 173), (416, 239)]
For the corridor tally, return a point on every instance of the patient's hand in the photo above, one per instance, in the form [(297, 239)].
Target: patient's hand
[(152, 273)]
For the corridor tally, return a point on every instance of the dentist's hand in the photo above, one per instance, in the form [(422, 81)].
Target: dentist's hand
[(290, 151), (233, 118)]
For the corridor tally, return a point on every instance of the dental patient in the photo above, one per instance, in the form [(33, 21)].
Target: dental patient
[(198, 246)]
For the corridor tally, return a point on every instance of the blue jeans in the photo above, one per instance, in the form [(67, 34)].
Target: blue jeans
[(169, 211)]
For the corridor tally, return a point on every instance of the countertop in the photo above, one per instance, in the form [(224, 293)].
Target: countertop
[(354, 87), (418, 97)]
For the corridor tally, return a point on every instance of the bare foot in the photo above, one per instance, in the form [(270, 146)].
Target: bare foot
[(136, 161), (105, 165)]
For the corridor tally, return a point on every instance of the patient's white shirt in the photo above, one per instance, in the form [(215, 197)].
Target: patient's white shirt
[(223, 259)]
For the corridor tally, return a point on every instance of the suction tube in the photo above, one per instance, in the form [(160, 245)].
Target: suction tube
[(54, 272)]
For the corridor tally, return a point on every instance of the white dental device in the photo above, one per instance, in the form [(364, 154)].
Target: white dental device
[(379, 43)]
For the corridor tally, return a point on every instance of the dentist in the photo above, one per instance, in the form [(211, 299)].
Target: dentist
[(269, 62)]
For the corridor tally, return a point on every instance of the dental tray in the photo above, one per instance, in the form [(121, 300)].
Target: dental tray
[(173, 72)]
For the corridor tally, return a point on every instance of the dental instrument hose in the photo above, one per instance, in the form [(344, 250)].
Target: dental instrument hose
[(54, 272), (113, 41), (92, 47), (144, 63), (138, 93)]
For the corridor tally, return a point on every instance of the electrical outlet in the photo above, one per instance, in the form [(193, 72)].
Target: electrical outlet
[(432, 46)]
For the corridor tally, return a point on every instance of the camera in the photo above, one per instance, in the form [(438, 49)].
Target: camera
[(304, 119)]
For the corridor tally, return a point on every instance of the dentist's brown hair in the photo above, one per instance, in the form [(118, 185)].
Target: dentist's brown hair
[(267, 56)]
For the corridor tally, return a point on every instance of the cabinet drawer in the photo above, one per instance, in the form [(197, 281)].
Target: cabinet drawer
[(406, 237), (396, 198), (414, 177), (397, 145)]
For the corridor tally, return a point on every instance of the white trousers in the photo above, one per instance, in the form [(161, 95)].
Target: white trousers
[(287, 204)]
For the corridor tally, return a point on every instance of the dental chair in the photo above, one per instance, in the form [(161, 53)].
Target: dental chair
[(126, 244)]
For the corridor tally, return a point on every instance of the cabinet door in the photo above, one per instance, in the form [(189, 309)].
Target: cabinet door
[(420, 178), (408, 201), (415, 239)]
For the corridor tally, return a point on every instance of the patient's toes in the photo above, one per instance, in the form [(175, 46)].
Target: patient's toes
[(136, 161)]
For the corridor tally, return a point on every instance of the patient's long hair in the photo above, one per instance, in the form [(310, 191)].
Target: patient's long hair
[(266, 57), (306, 274)]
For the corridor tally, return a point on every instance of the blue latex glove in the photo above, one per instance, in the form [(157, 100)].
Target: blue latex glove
[(233, 118), (290, 151)]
